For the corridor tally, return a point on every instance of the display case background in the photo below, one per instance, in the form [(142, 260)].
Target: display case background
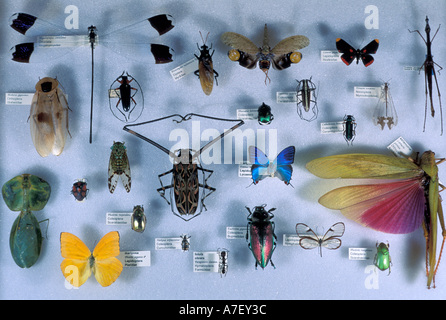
[(299, 274)]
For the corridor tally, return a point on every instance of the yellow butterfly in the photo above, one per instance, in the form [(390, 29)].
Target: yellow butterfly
[(79, 262)]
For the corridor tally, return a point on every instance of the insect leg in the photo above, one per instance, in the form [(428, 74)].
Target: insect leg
[(163, 188), (411, 31), (441, 218), (215, 77), (425, 104), (439, 98)]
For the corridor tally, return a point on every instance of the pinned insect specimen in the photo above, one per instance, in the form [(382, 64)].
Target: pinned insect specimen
[(382, 258), (119, 166), (79, 190), (281, 56), (349, 129), (222, 261), (138, 220), (306, 100), (280, 167), (310, 240), (49, 42), (127, 104), (189, 187), (410, 199), (26, 193), (385, 112), (429, 71), (49, 117), (262, 239), (79, 262), (185, 243), (206, 72), (264, 114), (349, 53)]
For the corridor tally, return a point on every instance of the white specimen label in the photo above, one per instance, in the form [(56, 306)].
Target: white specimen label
[(330, 56), (184, 69), (173, 243), (118, 218), (360, 253), (206, 261), (332, 127), (235, 232), (400, 148), (291, 240), (135, 258), (286, 97)]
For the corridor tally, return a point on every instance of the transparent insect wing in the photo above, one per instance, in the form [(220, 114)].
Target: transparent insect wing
[(49, 118), (385, 112), (134, 38), (310, 240)]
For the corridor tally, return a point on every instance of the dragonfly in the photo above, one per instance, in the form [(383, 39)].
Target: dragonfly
[(49, 42)]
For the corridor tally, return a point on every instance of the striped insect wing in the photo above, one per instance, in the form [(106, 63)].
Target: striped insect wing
[(262, 241)]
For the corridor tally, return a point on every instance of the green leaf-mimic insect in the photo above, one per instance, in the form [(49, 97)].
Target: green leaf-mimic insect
[(382, 258), (119, 166), (26, 193)]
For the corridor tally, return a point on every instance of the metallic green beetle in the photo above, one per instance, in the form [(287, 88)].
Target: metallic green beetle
[(26, 193), (139, 219), (382, 258)]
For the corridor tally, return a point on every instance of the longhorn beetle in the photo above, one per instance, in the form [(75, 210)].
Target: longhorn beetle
[(186, 198)]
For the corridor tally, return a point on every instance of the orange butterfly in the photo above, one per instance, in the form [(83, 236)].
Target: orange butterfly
[(79, 262)]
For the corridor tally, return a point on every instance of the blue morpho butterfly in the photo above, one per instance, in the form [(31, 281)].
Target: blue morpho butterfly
[(280, 167)]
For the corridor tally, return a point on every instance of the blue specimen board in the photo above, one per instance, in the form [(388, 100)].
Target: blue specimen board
[(299, 274)]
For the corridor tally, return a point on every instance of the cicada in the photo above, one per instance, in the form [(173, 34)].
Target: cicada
[(281, 56), (49, 117), (410, 198), (119, 166)]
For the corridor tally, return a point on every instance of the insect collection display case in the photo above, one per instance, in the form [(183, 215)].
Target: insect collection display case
[(200, 207)]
